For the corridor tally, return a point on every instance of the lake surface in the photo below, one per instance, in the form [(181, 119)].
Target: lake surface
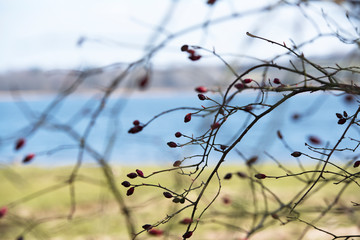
[(149, 146)]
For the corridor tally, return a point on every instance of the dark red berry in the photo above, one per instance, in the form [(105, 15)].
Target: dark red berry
[(277, 81), (226, 200), (241, 175), (187, 234), (147, 226), (186, 221), (228, 176), (201, 89), (296, 116), (201, 97), (178, 134), (345, 114), (248, 80), (135, 129), (339, 115), (215, 125), (167, 195), (356, 164), (275, 216), (19, 143), (155, 232), (251, 160), (130, 191), (184, 48), (132, 175), (211, 2), (3, 211), (296, 154), (280, 136), (136, 122), (187, 117), (177, 163), (191, 51), (349, 98), (140, 173), (314, 140), (194, 57), (260, 176), (172, 144), (342, 121), (144, 81), (125, 184), (239, 86), (248, 108), (28, 157)]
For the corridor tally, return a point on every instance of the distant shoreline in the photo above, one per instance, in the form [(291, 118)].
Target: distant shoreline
[(156, 92), (151, 93)]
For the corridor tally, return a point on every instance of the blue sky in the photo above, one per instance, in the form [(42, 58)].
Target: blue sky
[(44, 33)]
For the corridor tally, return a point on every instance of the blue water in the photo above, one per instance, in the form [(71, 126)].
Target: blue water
[(149, 146)]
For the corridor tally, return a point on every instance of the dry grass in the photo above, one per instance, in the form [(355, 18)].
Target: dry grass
[(97, 215)]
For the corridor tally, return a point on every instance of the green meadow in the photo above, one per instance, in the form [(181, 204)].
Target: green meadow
[(42, 205)]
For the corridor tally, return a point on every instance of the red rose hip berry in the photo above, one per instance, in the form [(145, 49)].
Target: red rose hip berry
[(201, 89), (28, 157), (19, 144), (187, 117), (140, 173), (3, 211), (356, 164), (248, 80)]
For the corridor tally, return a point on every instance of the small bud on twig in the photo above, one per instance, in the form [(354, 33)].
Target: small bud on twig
[(132, 175), (130, 191), (172, 144), (177, 163), (296, 154), (125, 184), (187, 234), (147, 226), (277, 81), (201, 97), (184, 48), (228, 176), (167, 195), (260, 176)]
